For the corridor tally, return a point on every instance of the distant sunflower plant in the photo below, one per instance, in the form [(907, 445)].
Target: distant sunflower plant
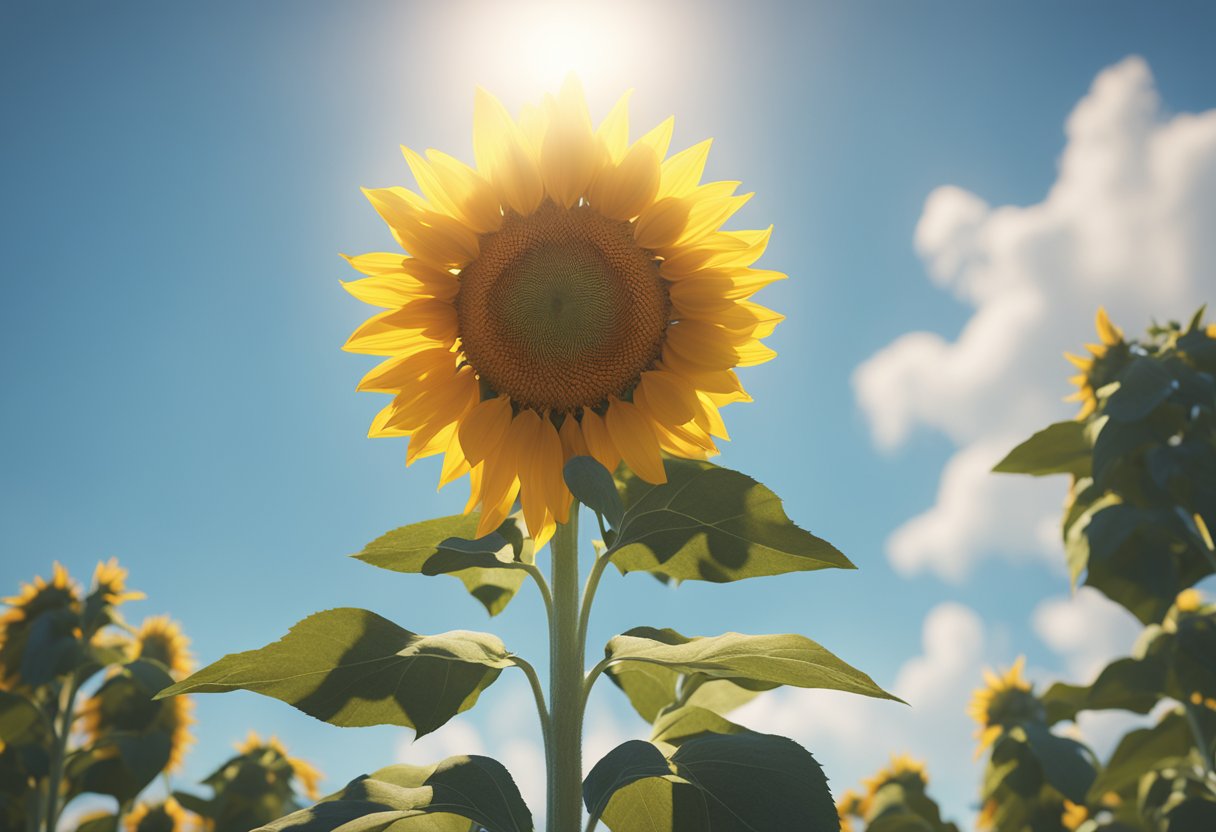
[(563, 324)]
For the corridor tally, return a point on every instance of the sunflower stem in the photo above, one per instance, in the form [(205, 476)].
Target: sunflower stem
[(63, 728), (539, 695), (565, 764)]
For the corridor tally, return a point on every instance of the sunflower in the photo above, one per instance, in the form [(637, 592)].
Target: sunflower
[(164, 817), (573, 294), (307, 774), (851, 805), (161, 639), (1002, 702), (110, 580), (41, 596), (903, 767), (1073, 815), (1100, 367)]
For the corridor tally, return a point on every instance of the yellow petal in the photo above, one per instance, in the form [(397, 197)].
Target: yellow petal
[(1078, 361), (573, 442), (568, 153), (433, 237), (659, 138), (395, 290), (613, 131), (709, 419), (708, 213), (398, 330), (701, 344), (669, 397), (707, 380), (397, 373), (524, 435), (484, 428), (753, 353), (379, 262), (547, 469), (428, 440), (455, 464), (661, 223), (682, 172), (469, 191), (1108, 332), (721, 249), (621, 192), (504, 156), (633, 435), (599, 441)]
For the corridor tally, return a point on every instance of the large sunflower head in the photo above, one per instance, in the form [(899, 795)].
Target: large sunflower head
[(1003, 701), (35, 599), (572, 294), (1100, 367), (273, 757)]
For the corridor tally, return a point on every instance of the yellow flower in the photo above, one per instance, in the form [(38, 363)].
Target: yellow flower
[(1189, 600), (164, 817), (34, 599), (573, 294), (161, 639), (111, 580), (1003, 701), (851, 805), (308, 775), (1074, 815), (902, 767), (1097, 368)]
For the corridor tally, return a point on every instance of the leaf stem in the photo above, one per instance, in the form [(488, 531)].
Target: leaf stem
[(537, 693), (63, 728), (1205, 753), (593, 674), (565, 763), (541, 584), (593, 583)]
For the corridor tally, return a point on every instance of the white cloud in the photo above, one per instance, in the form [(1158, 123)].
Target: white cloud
[(1127, 225), (1087, 629)]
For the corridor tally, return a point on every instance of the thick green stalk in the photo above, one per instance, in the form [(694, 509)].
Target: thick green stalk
[(565, 684), (63, 729)]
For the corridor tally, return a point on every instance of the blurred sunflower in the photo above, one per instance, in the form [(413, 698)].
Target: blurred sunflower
[(36, 598), (163, 817), (903, 768), (110, 580), (1100, 367), (573, 294), (1002, 702), (1074, 815), (273, 755), (114, 708), (850, 805)]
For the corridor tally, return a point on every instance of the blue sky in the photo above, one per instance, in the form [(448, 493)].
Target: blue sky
[(179, 181)]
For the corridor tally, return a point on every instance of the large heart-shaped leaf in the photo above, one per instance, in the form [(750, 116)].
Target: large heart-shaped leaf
[(352, 667), (1067, 764), (488, 566), (592, 485), (445, 797), (738, 782), (651, 688), (768, 659), (713, 524), (1127, 684)]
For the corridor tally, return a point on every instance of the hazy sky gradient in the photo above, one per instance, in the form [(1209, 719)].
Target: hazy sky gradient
[(179, 180)]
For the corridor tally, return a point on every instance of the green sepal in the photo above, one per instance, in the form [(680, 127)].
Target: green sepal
[(351, 667), (445, 797), (593, 486), (488, 566), (1061, 448), (713, 524)]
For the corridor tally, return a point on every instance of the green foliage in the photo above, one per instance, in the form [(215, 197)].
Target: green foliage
[(1142, 462), (445, 797), (712, 524), (592, 485), (709, 780), (489, 567), (767, 661), (352, 667)]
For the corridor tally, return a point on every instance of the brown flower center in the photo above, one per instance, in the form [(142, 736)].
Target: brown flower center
[(562, 309)]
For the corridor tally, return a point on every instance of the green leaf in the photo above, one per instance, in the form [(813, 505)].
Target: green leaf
[(1067, 764), (1143, 750), (1142, 386), (1061, 448), (593, 486), (488, 566), (120, 764), (768, 659), (713, 524), (625, 764), (743, 782), (350, 667), (651, 688), (52, 649), (689, 721), (1126, 684), (445, 797), (21, 721)]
